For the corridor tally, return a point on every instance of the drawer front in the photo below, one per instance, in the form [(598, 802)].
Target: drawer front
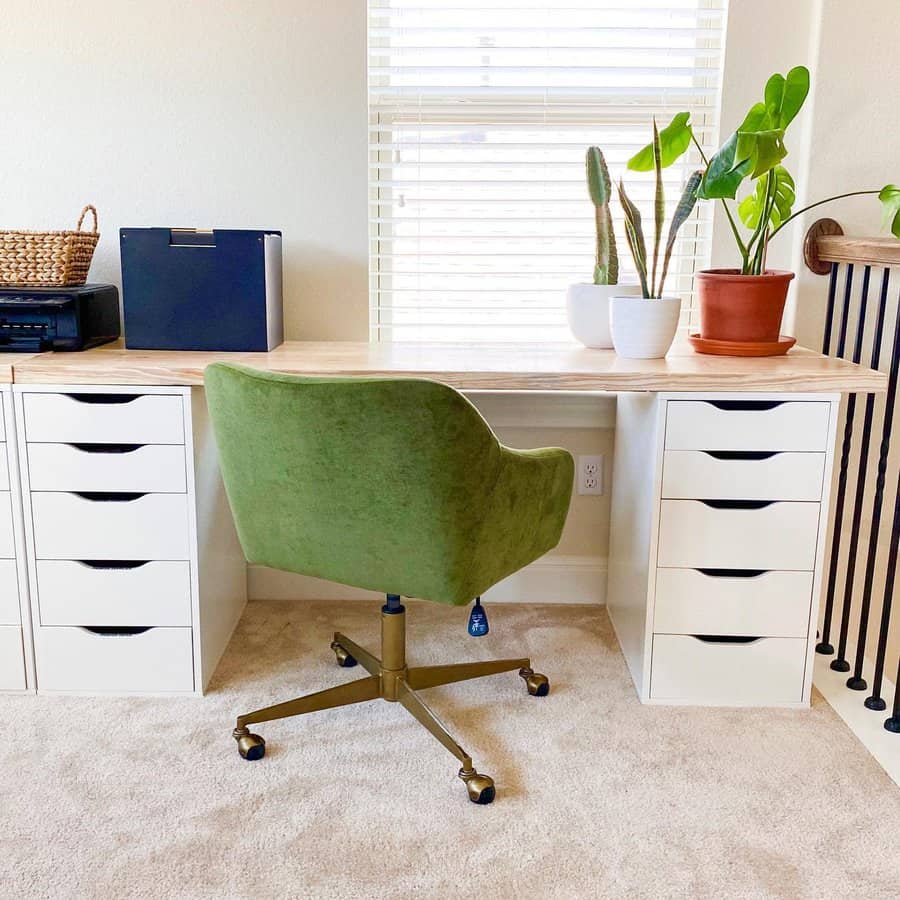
[(104, 418), (72, 526), (106, 593), (695, 535), (156, 468), (76, 659), (747, 425), (767, 670), (742, 475), (7, 541), (12, 659), (9, 593), (733, 602), (4, 468)]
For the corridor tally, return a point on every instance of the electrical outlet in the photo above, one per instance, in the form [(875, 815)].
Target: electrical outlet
[(590, 475)]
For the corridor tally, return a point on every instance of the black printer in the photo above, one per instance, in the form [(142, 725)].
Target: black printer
[(58, 318)]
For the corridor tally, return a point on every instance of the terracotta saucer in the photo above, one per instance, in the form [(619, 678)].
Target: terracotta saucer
[(742, 348)]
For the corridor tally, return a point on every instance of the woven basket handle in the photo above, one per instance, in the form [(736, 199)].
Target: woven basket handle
[(83, 213)]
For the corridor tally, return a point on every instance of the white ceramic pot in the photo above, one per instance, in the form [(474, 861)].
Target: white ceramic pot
[(643, 329), (587, 307)]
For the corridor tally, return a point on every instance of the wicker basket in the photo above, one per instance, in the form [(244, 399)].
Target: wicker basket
[(48, 258)]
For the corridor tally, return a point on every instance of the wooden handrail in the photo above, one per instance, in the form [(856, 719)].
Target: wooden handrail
[(864, 251)]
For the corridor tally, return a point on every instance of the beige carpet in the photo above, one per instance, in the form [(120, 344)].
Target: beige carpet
[(597, 795)]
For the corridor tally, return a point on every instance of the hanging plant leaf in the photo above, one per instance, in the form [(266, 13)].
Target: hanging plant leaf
[(890, 201)]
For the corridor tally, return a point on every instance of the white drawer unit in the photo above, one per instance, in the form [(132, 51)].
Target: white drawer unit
[(10, 613), (158, 468), (732, 602), (112, 592), (110, 526), (735, 534), (742, 475), (16, 657), (715, 568), (7, 535), (136, 573), (80, 416), (152, 660), (735, 424), (715, 670), (12, 659)]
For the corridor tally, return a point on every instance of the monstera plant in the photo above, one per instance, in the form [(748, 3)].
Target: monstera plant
[(745, 303)]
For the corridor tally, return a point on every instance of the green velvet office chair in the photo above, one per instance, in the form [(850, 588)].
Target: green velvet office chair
[(392, 484)]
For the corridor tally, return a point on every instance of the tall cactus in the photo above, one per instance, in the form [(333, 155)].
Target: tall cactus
[(606, 265)]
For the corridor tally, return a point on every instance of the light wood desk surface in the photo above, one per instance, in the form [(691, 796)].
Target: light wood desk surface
[(489, 367)]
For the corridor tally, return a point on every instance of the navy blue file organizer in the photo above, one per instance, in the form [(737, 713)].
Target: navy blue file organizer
[(184, 289)]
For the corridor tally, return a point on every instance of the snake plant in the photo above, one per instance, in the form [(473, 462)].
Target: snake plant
[(657, 155)]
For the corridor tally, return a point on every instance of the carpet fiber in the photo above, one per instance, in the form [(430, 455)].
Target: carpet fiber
[(597, 796)]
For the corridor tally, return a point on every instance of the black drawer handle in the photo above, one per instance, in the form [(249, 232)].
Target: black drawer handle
[(115, 630), (725, 639), (737, 504), (113, 563), (741, 454), (107, 448), (104, 398), (745, 405), (109, 496), (733, 573)]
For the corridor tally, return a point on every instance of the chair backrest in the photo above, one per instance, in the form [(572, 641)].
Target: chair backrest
[(371, 482)]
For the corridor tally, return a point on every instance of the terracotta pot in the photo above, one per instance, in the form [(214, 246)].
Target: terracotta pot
[(735, 307)]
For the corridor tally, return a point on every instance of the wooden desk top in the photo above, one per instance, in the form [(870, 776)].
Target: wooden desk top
[(7, 361), (491, 367)]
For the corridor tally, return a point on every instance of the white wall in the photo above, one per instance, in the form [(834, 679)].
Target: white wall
[(230, 113), (855, 134)]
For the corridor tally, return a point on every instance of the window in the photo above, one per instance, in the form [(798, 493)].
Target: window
[(480, 112)]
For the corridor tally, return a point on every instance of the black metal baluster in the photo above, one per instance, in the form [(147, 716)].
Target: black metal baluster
[(857, 682), (874, 701), (824, 647), (893, 722), (829, 313), (859, 493), (842, 475)]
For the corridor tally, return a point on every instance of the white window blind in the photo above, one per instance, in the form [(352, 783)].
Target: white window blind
[(480, 112)]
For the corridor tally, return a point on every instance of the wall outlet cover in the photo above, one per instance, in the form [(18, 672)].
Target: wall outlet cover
[(590, 475)]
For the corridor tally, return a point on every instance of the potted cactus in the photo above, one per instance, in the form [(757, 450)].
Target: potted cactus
[(587, 305)]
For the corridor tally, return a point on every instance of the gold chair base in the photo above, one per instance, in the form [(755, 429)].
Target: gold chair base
[(391, 679)]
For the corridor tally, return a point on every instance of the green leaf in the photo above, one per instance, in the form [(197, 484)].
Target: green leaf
[(890, 200), (679, 217), (659, 204), (725, 172), (785, 96), (634, 233), (674, 139), (753, 205)]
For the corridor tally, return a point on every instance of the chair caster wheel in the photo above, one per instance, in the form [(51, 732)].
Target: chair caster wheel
[(250, 746), (538, 685), (344, 659), (479, 787)]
